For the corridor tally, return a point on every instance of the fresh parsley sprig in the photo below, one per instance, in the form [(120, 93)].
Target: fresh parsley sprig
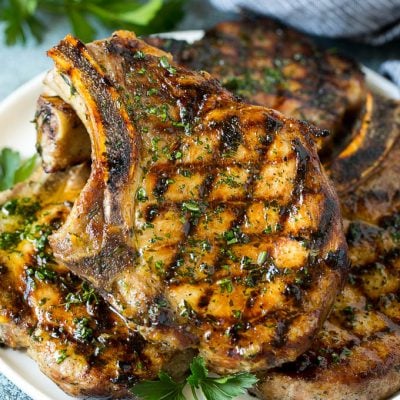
[(24, 17), (13, 169), (220, 388)]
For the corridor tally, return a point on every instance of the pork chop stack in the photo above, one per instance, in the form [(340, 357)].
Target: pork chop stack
[(207, 223)]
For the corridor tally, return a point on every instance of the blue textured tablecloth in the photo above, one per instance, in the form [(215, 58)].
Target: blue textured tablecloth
[(21, 63)]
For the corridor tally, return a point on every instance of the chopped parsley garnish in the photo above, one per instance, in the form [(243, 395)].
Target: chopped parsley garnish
[(141, 194), (191, 206), (43, 273), (9, 240), (62, 355), (139, 55), (272, 78), (235, 236), (262, 257), (237, 314), (86, 295), (24, 208), (225, 285), (159, 266), (164, 62), (83, 331)]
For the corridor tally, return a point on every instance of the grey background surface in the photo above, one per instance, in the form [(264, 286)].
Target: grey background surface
[(21, 63)]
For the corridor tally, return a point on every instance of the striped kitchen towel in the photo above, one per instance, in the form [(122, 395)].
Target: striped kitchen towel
[(371, 21)]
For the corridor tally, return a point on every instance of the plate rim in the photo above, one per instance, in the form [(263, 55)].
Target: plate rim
[(375, 82)]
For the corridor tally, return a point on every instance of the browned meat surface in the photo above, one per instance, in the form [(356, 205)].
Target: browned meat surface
[(208, 223), (62, 140), (357, 354), (269, 64), (64, 325)]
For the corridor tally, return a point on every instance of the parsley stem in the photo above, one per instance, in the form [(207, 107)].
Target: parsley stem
[(194, 392)]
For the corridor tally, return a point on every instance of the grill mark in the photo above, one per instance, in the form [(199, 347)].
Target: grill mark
[(204, 300), (173, 266), (309, 363), (214, 204), (234, 332), (205, 187), (238, 222), (189, 226), (302, 157), (319, 237), (161, 186), (281, 330), (152, 211), (252, 299), (231, 134), (337, 260), (225, 162)]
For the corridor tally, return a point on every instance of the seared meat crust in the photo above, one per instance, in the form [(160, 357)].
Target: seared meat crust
[(272, 65), (206, 222), (356, 356), (65, 326)]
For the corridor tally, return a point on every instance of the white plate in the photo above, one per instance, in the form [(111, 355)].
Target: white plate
[(18, 132)]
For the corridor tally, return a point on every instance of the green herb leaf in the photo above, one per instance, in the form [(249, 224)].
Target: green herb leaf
[(164, 62), (10, 161), (199, 372), (262, 257), (80, 25), (25, 169), (12, 170), (190, 206), (222, 388), (164, 389), (132, 13), (227, 387), (19, 19), (20, 16)]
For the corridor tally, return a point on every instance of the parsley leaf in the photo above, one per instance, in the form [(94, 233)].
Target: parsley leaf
[(220, 388), (164, 389), (25, 169), (19, 18), (227, 387), (12, 170), (198, 372), (143, 17)]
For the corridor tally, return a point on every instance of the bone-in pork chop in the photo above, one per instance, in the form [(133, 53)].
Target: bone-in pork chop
[(267, 63), (63, 323), (206, 222), (356, 356)]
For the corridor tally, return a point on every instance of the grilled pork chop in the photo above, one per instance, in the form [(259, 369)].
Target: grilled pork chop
[(206, 222), (356, 356), (63, 323), (270, 64)]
